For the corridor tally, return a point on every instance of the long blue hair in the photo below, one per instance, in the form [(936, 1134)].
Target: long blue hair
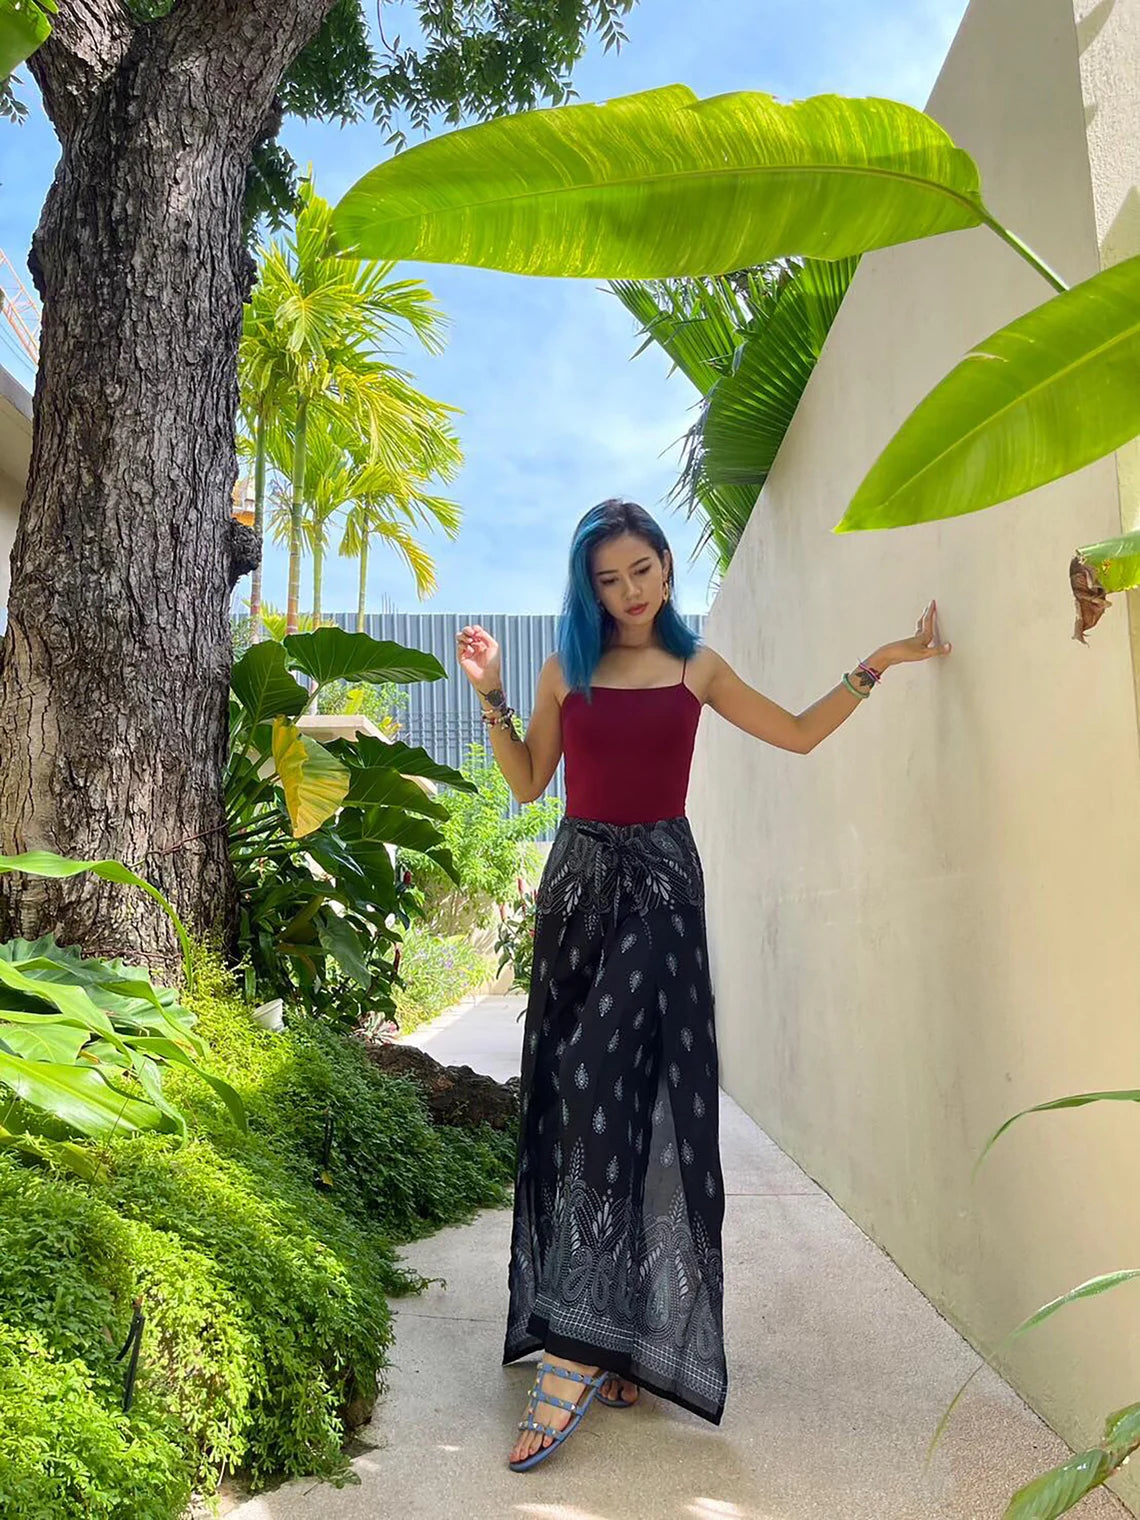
[(584, 628)]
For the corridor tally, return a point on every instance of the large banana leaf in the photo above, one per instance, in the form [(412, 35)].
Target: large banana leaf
[(313, 781), (1040, 398), (409, 760), (662, 183), (380, 785)]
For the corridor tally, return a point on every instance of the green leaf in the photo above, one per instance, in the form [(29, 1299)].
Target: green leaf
[(661, 183), (42, 863), (332, 654), (47, 1040), (1036, 400), (38, 1148), (262, 683), (1076, 1100), (314, 783), (368, 832), (168, 1051), (1055, 1492), (78, 1096), (376, 786), (1091, 1289), (410, 760), (343, 943), (23, 28), (1116, 561), (750, 410)]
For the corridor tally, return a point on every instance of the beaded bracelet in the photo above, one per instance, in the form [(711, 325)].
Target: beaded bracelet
[(498, 716), (851, 687)]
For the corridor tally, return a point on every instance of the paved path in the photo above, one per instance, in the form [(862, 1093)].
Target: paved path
[(839, 1370)]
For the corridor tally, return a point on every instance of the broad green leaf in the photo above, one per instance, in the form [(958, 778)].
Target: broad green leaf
[(262, 683), (72, 1003), (380, 786), (1055, 1492), (410, 760), (78, 1095), (314, 783), (1116, 561), (23, 28), (43, 863), (1042, 397), (49, 1040), (1076, 1100), (343, 943), (662, 183), (332, 654)]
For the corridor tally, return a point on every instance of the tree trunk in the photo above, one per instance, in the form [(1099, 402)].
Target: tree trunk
[(361, 600), (318, 576), (114, 669)]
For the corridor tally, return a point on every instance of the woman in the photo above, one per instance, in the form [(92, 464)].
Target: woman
[(615, 1268)]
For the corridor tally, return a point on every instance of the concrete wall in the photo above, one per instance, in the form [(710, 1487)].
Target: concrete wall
[(930, 922), (15, 456)]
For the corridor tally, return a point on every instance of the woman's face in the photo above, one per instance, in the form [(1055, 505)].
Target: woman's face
[(629, 579)]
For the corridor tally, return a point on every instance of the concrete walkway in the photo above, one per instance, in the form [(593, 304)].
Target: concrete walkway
[(839, 1370)]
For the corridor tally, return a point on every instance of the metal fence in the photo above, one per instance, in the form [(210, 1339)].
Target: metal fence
[(444, 716)]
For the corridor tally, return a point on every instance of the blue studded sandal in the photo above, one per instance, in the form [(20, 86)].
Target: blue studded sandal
[(537, 1396)]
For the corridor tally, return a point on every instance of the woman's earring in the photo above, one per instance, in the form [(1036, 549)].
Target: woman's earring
[(666, 596)]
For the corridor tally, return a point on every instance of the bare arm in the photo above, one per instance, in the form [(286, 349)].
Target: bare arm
[(756, 714), (528, 764)]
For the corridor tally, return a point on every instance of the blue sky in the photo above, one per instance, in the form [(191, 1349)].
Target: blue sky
[(554, 415)]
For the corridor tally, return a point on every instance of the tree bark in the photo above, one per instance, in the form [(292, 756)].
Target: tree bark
[(114, 669)]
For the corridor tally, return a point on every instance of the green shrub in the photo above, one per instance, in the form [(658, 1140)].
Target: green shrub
[(436, 970), (65, 1450), (265, 1297)]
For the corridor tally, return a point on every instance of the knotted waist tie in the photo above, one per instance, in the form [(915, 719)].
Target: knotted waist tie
[(654, 864)]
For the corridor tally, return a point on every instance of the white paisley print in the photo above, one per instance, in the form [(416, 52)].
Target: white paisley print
[(619, 1198)]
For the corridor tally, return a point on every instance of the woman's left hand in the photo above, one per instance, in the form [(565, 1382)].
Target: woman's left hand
[(923, 645)]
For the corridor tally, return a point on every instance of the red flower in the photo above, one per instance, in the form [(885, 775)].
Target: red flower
[(518, 880), (502, 912), (407, 878), (396, 961)]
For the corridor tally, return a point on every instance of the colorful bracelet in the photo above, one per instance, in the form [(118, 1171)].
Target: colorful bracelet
[(851, 687), (873, 675)]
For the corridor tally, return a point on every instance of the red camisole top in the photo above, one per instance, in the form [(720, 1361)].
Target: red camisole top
[(628, 751)]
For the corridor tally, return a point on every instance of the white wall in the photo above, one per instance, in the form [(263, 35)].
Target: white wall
[(930, 922)]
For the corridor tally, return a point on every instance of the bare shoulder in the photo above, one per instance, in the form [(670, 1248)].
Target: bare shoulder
[(551, 678), (705, 664)]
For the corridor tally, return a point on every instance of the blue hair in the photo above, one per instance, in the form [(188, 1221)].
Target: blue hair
[(584, 626)]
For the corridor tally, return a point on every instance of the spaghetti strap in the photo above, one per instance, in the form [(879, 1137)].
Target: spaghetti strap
[(684, 667)]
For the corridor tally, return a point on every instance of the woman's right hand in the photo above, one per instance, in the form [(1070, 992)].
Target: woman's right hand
[(478, 655)]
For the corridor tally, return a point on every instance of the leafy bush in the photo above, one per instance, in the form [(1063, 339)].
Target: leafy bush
[(515, 944), (382, 703), (313, 826), (490, 847), (264, 1293), (436, 971)]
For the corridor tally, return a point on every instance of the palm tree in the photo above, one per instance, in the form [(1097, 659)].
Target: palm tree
[(313, 335), (748, 342)]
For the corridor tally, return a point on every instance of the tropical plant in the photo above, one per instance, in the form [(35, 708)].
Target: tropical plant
[(490, 845), (662, 184), (515, 944), (84, 1043), (1056, 1492), (749, 342), (24, 26), (314, 827), (311, 335)]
